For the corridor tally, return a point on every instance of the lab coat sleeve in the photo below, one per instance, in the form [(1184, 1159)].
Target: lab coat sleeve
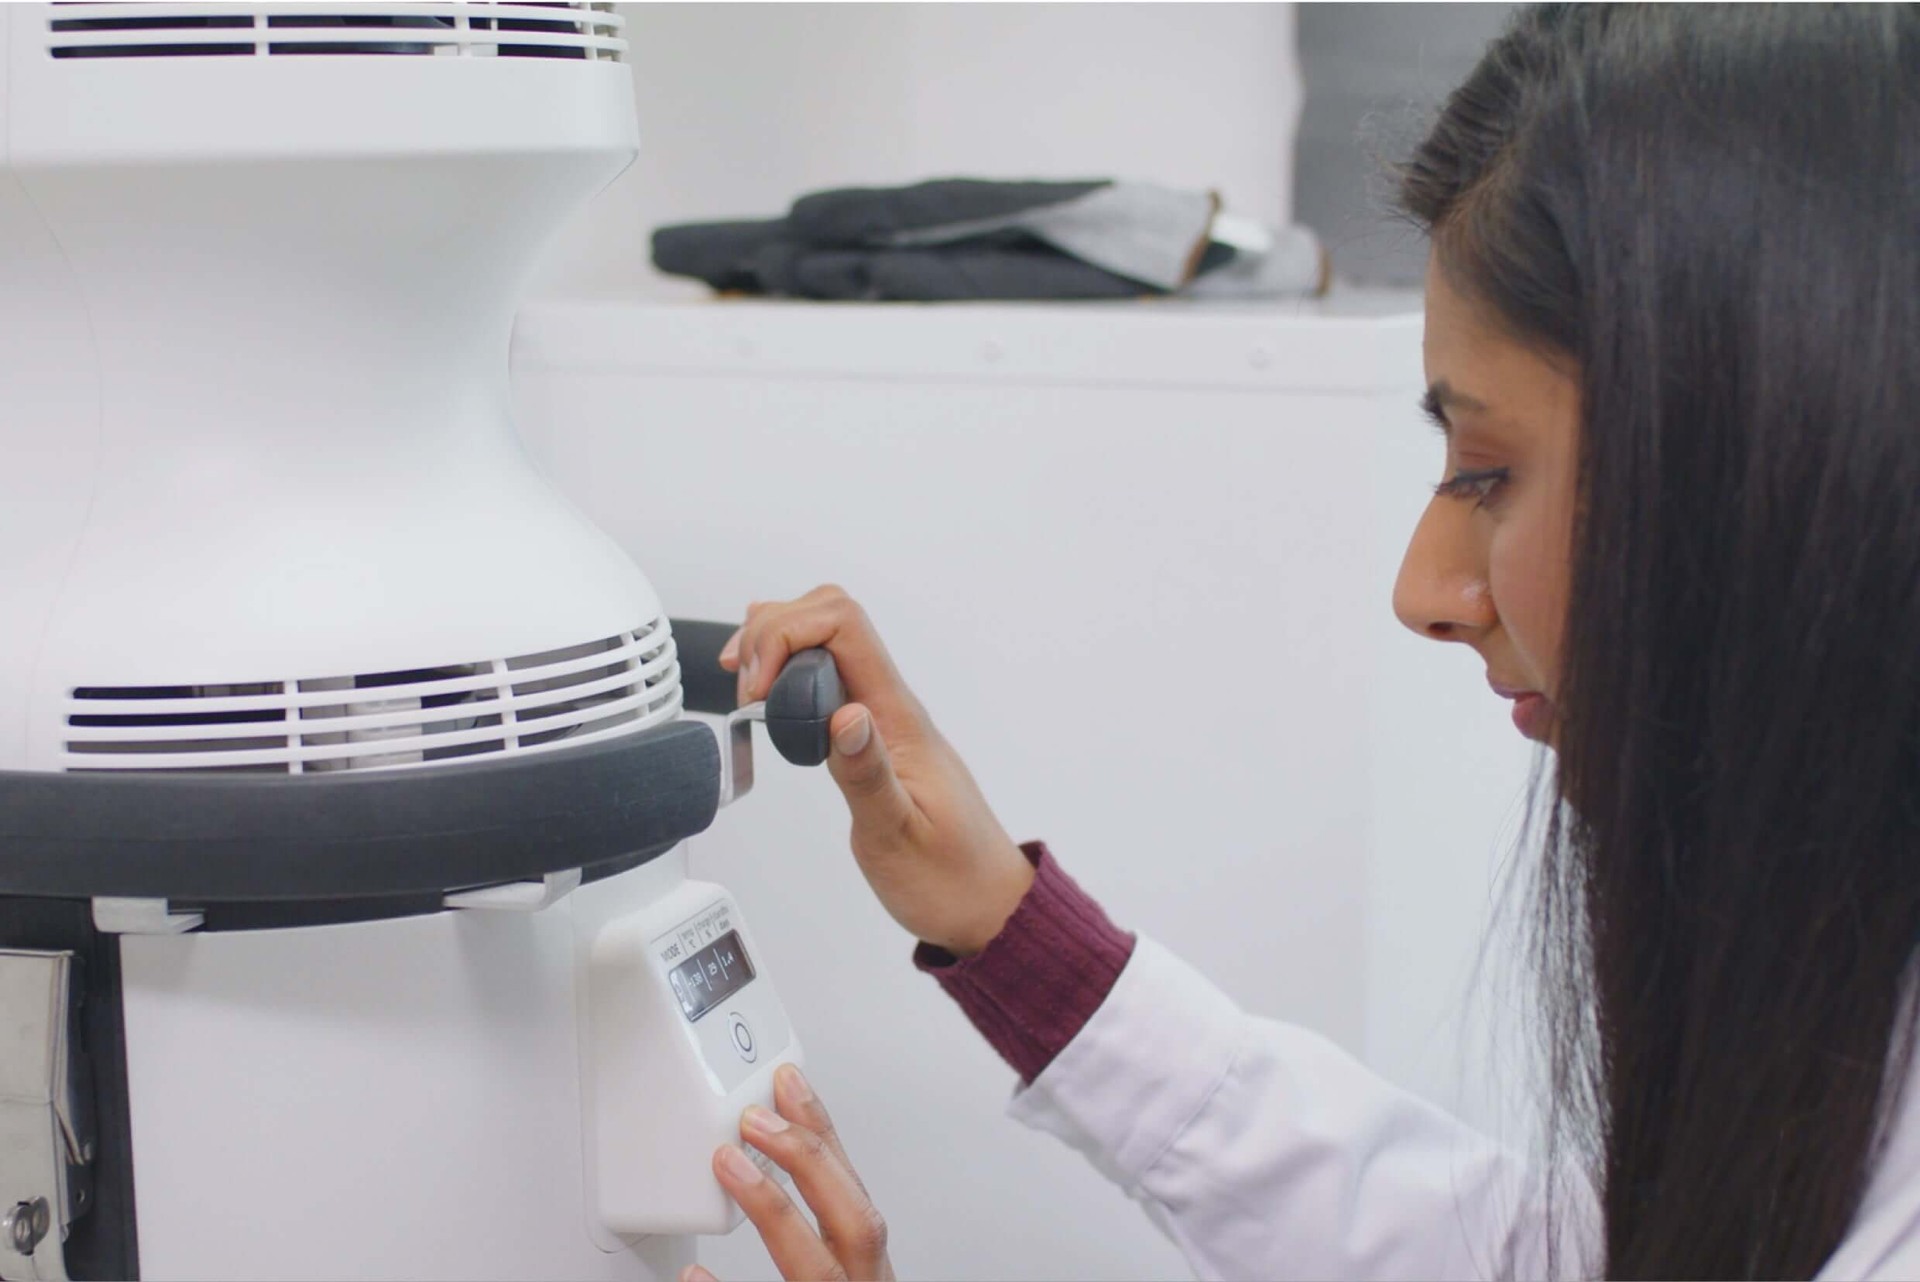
[(1264, 1151)]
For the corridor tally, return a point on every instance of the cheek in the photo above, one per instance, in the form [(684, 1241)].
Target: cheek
[(1527, 572)]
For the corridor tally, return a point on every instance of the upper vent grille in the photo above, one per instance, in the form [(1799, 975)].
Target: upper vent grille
[(616, 685), (458, 29)]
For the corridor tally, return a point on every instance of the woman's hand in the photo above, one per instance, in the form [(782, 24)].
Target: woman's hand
[(851, 1241), (923, 835)]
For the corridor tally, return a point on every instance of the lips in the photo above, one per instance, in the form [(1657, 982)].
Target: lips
[(1533, 716), (1532, 711)]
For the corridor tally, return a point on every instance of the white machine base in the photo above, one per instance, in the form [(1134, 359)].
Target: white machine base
[(399, 1098)]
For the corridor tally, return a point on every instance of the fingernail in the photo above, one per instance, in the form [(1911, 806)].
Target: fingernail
[(739, 1165), (748, 675), (731, 650), (694, 1273), (797, 1084), (852, 740), (764, 1121)]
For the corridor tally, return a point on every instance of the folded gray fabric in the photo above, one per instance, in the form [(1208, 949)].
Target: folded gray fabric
[(861, 217), (724, 255), (1007, 266), (1291, 263), (1154, 235), (951, 274), (966, 238)]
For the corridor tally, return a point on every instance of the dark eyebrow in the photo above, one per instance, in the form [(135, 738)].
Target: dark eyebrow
[(1441, 397)]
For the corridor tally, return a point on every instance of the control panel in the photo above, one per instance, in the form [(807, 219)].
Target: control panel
[(684, 1031)]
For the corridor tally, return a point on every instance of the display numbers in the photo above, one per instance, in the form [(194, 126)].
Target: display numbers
[(711, 975)]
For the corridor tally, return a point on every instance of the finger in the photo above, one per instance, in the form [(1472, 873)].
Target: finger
[(794, 1099), (694, 1273), (795, 1246), (828, 617), (761, 653), (860, 763), (827, 592), (772, 637), (730, 652), (850, 1226)]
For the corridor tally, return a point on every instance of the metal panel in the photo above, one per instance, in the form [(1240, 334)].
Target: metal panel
[(1374, 75)]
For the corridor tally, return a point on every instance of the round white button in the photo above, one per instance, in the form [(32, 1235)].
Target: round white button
[(742, 1037)]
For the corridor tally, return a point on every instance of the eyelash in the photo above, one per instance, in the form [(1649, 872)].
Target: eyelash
[(1480, 485)]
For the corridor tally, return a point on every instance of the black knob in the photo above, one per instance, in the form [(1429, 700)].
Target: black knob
[(803, 700)]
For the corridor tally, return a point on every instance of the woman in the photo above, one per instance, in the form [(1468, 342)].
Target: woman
[(1673, 312)]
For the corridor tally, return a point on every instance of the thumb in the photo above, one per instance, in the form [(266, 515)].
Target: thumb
[(863, 768)]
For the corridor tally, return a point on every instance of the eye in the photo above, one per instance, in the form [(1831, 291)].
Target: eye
[(1482, 485)]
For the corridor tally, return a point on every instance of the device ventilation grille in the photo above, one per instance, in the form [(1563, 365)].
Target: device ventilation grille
[(458, 29), (386, 720)]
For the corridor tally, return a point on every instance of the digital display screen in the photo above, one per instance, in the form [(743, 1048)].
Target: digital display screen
[(711, 975)]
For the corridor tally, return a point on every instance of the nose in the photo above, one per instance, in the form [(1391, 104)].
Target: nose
[(1441, 592)]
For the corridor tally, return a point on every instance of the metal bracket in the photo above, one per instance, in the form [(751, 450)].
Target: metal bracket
[(46, 1127), (736, 752), (519, 896), (116, 916)]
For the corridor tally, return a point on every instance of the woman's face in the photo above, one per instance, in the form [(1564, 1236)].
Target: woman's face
[(1488, 563)]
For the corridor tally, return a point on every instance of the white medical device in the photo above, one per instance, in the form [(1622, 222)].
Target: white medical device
[(335, 747), (680, 1012)]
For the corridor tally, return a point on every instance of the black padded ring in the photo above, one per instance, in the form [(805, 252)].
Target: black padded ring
[(207, 838)]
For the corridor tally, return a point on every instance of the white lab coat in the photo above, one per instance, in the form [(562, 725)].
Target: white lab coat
[(1264, 1151)]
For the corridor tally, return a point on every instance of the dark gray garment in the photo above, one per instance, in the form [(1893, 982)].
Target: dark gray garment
[(1146, 233), (855, 217), (956, 239), (1375, 74), (724, 255), (951, 273), (964, 238), (841, 244), (763, 258)]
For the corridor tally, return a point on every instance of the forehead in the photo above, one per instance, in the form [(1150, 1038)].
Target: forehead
[(1474, 355)]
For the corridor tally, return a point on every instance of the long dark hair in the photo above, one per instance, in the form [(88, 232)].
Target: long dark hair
[(1715, 212)]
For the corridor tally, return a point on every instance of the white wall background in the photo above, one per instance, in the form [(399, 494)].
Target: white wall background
[(743, 107)]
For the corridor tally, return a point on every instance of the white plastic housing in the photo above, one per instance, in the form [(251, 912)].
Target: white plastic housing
[(254, 324), (388, 1100), (664, 1091)]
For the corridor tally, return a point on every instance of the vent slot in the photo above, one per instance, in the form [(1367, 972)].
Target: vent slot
[(345, 23), (459, 28), (174, 23), (382, 720)]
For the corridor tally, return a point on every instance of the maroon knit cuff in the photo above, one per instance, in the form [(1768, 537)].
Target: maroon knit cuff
[(1036, 984)]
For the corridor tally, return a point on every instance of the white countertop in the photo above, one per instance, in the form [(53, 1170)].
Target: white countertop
[(1352, 340)]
